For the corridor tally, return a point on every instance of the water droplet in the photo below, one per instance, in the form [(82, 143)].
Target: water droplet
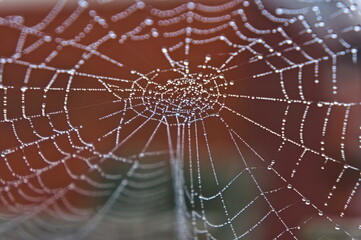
[(148, 21), (47, 38), (140, 5), (112, 35), (191, 5), (279, 11), (353, 7), (357, 28), (83, 4), (155, 34)]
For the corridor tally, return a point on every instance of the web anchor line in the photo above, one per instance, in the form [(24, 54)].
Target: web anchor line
[(176, 164)]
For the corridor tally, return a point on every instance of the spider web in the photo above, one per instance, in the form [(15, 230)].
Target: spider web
[(247, 112)]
